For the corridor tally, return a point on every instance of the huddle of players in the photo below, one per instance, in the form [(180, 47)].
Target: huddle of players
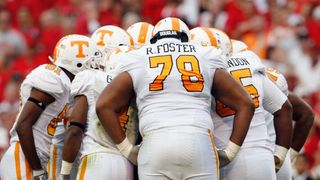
[(192, 91)]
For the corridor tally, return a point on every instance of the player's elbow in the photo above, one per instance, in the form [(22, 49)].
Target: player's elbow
[(100, 105), (23, 128), (308, 118), (74, 133), (287, 108), (248, 105)]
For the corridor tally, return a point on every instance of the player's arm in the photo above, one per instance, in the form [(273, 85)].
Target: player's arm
[(277, 104), (29, 115), (113, 98), (231, 93), (74, 135), (304, 117)]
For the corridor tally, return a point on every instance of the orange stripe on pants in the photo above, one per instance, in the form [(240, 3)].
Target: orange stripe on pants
[(215, 153), (83, 167), (17, 160), (28, 171), (54, 162)]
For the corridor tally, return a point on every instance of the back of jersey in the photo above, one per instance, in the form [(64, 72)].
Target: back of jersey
[(173, 82), (247, 69)]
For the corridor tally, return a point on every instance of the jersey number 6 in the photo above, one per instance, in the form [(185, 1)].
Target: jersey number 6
[(186, 74)]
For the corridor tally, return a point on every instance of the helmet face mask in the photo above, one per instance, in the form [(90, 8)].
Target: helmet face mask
[(76, 53)]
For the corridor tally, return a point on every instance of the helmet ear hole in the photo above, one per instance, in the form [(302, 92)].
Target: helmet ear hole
[(79, 65)]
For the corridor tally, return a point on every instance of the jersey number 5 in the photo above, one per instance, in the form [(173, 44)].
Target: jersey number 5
[(186, 74), (223, 110)]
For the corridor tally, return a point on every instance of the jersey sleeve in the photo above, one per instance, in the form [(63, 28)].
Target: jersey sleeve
[(127, 63), (46, 80), (82, 84), (273, 97), (215, 59), (278, 79)]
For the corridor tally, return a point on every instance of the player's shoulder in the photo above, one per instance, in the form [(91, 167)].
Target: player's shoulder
[(278, 78), (246, 59), (85, 76), (85, 81), (48, 78)]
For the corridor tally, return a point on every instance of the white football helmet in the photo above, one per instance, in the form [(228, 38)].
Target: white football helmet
[(141, 33), (238, 46), (223, 41), (204, 37), (171, 23), (109, 37), (76, 53), (212, 37)]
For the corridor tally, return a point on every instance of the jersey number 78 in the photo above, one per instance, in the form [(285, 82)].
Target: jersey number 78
[(181, 61)]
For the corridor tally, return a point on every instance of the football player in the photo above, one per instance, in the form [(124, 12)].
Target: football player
[(44, 95), (173, 82), (106, 39), (302, 115), (247, 69), (100, 159), (303, 118), (141, 33)]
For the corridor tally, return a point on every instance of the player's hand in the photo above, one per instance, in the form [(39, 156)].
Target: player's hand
[(279, 156), (223, 158), (133, 156), (64, 176), (228, 154), (277, 163), (129, 151), (40, 175)]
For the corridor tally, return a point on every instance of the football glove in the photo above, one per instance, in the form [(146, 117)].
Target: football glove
[(279, 156), (293, 155), (228, 154), (39, 175), (129, 150)]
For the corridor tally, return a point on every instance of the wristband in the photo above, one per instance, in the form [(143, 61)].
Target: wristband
[(293, 154), (65, 168), (125, 147), (232, 150), (280, 152), (36, 173), (79, 125)]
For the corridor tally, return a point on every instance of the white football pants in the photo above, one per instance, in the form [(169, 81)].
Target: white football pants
[(172, 154), (102, 166), (250, 164)]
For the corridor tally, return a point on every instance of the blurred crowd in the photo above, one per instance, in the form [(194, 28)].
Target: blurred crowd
[(284, 33)]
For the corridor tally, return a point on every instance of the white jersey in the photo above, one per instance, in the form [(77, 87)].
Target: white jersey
[(53, 81), (247, 69), (172, 82), (91, 83), (281, 82)]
